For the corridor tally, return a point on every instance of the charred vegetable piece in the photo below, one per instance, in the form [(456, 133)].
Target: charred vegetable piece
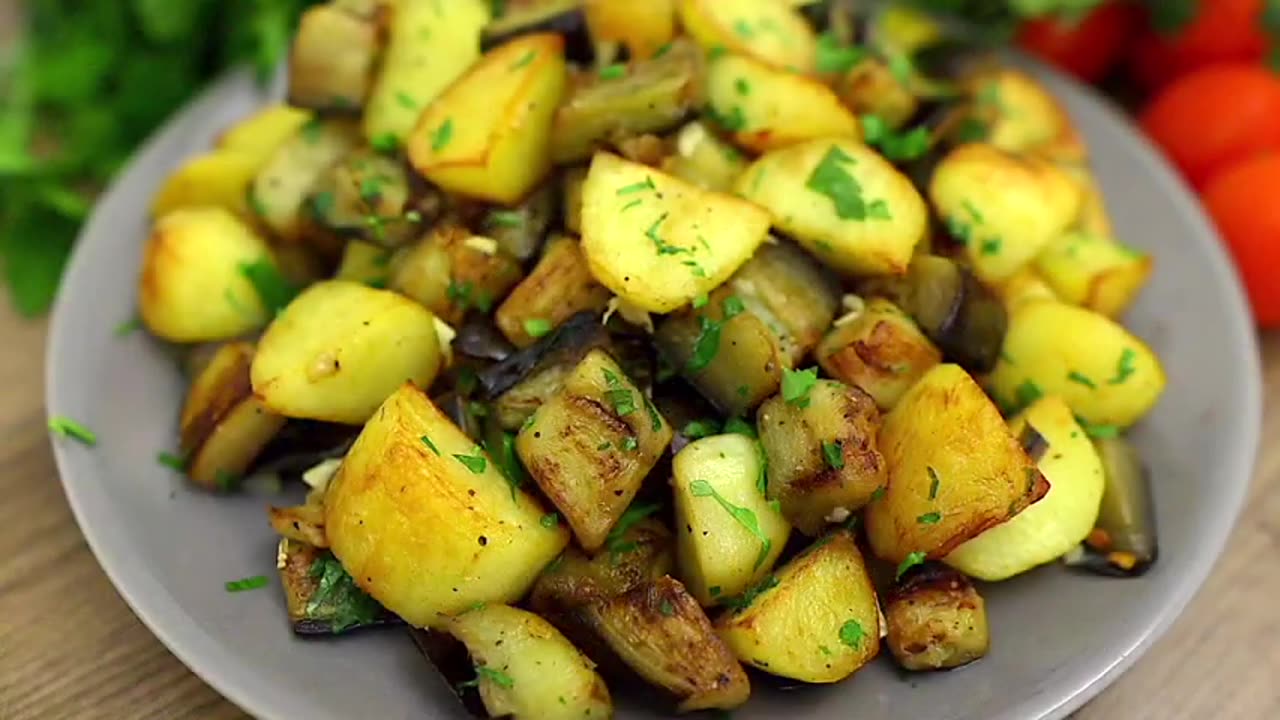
[(301, 523), (659, 631), (559, 287), (936, 619), (704, 159), (303, 444), (824, 464), (881, 351), (452, 271), (791, 293), (518, 385), (480, 339), (280, 189), (461, 410), (224, 426), (520, 230), (523, 17), (1124, 542), (871, 88), (333, 58), (321, 597), (816, 619), (633, 555), (366, 196), (653, 96), (591, 444)]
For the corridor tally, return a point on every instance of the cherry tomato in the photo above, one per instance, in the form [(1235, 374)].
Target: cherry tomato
[(1239, 199), (1215, 116), (1222, 30), (1087, 48)]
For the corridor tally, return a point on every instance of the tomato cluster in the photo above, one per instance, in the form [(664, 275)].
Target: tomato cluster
[(1214, 108)]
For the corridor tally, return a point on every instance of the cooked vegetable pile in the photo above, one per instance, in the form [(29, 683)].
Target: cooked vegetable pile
[(656, 339)]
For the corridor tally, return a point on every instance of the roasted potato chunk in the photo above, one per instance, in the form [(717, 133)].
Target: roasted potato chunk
[(320, 597), (815, 620), (1094, 273), (810, 191), (659, 631), (872, 88), (1003, 208), (881, 351), (1106, 374), (823, 461), (365, 263), (280, 189), (416, 498), (340, 349), (264, 131), (488, 136), (768, 108), (936, 619), (591, 445), (728, 536), (1022, 117), (1024, 286), (767, 30), (218, 178), (704, 159), (452, 271), (527, 669), (659, 242), (193, 286), (955, 469), (332, 60), (224, 426), (559, 287), (643, 28), (632, 556)]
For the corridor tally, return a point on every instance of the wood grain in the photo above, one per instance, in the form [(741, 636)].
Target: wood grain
[(70, 648)]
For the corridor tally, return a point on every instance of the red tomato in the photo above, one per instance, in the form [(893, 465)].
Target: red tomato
[(1222, 30), (1087, 48), (1241, 200), (1214, 116)]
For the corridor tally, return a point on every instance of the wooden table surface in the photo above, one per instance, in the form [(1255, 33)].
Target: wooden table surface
[(70, 648)]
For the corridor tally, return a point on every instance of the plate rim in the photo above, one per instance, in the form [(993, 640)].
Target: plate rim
[(152, 604)]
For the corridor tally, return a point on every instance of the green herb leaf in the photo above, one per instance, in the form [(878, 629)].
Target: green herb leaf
[(170, 460), (912, 560), (699, 429), (738, 426), (705, 346), (524, 60), (506, 218), (508, 462), (442, 135), (475, 463), (666, 608), (733, 307), (550, 520), (1100, 432), (831, 179), (638, 187), (537, 327), (68, 428), (744, 600), (1081, 379), (630, 443), (128, 327), (1027, 393), (633, 515), (744, 516), (225, 480), (615, 71), (249, 583), (385, 143), (834, 454), (1124, 366), (796, 385), (898, 147), (273, 290), (851, 634), (427, 441), (619, 395), (934, 482), (836, 57), (931, 518), (742, 86), (337, 599)]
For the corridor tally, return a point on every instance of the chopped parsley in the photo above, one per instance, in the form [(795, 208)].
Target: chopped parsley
[(990, 246), (699, 429), (832, 180), (733, 120), (475, 463), (836, 57), (537, 327), (638, 187), (508, 462), (931, 518), (466, 295), (1027, 393), (68, 428), (743, 28), (273, 290), (128, 327), (615, 71), (733, 307), (666, 608), (371, 190), (524, 60), (497, 677), (707, 344), (912, 560), (744, 516), (550, 520), (655, 418), (1100, 432), (934, 482), (738, 426), (662, 246), (630, 443), (170, 460), (619, 395), (833, 453), (442, 135), (249, 583), (851, 634), (385, 143), (742, 86), (427, 441), (311, 130), (506, 219), (321, 205), (700, 301), (604, 446), (1081, 379), (749, 596), (1124, 366), (337, 598), (898, 147), (406, 101), (796, 385), (225, 480), (878, 493)]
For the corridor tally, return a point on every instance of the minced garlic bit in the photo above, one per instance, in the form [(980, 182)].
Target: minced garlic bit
[(483, 244), (629, 312), (282, 557), (853, 306), (446, 334), (838, 515), (319, 475)]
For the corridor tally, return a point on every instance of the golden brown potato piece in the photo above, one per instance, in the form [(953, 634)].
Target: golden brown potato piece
[(264, 131), (223, 426), (642, 27), (767, 30), (660, 632), (558, 287), (634, 555), (591, 445), (332, 61), (1022, 116), (823, 461), (452, 271), (1094, 273), (488, 136), (936, 619), (416, 498), (1025, 286), (303, 523), (871, 88), (955, 469), (815, 620), (881, 351)]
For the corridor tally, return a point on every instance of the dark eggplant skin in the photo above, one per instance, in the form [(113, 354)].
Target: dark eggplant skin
[(480, 339), (452, 661), (303, 444), (295, 560), (1123, 543), (522, 229), (936, 620), (562, 17), (463, 412)]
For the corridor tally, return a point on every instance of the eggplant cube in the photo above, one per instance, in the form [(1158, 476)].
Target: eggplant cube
[(936, 619), (881, 351), (591, 445), (333, 59)]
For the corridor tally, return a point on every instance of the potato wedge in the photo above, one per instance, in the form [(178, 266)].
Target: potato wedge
[(704, 159), (659, 631), (1024, 286), (767, 30), (527, 669), (397, 512), (936, 620), (659, 242), (843, 202), (1002, 207), (591, 445), (728, 536), (955, 469), (1061, 520), (340, 349), (881, 351), (218, 178), (451, 271), (559, 287), (766, 108), (223, 426), (431, 44), (815, 620), (1094, 273), (642, 27), (488, 136), (1094, 218), (635, 555), (193, 287), (1105, 374), (281, 186), (264, 131), (1022, 116), (332, 60), (823, 461)]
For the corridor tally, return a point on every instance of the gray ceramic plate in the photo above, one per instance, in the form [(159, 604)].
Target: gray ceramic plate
[(1058, 638)]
